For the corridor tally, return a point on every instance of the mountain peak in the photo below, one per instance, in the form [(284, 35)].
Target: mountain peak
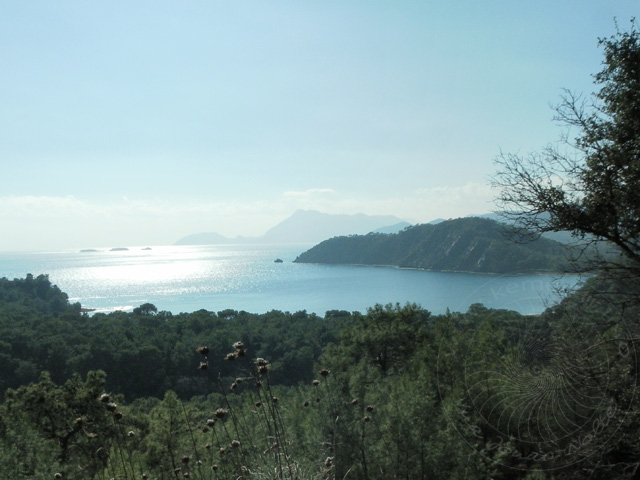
[(306, 226)]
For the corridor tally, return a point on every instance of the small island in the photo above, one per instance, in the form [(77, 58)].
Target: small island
[(278, 260), (87, 250), (119, 249)]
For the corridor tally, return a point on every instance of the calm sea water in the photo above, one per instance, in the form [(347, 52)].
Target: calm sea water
[(189, 278)]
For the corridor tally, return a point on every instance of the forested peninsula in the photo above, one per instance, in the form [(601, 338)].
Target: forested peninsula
[(470, 244)]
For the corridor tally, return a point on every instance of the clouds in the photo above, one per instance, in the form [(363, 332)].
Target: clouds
[(144, 123), (67, 222)]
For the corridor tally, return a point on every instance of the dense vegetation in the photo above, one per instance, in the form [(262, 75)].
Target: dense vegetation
[(394, 393), (145, 352), (460, 245)]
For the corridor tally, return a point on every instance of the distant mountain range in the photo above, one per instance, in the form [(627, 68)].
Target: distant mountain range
[(471, 244), (307, 226)]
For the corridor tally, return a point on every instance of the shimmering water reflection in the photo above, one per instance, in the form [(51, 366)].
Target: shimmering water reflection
[(189, 278)]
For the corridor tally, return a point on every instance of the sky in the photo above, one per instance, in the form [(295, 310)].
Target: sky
[(138, 123)]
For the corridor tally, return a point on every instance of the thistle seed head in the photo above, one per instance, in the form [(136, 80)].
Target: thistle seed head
[(203, 350), (221, 412), (261, 362), (203, 366)]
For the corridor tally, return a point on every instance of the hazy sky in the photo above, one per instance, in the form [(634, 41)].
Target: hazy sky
[(137, 123)]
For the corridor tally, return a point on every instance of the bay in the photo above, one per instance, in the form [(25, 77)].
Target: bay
[(245, 277)]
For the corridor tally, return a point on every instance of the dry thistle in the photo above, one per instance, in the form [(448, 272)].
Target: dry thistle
[(370, 408), (315, 383), (211, 422), (112, 407), (185, 459), (131, 433), (221, 412), (203, 350), (230, 357), (366, 418), (105, 398), (324, 372), (354, 401), (238, 345), (203, 366), (235, 443), (118, 415)]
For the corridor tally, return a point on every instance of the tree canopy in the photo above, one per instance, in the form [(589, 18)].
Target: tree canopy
[(589, 183)]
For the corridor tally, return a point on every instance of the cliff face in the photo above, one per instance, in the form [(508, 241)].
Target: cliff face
[(465, 245)]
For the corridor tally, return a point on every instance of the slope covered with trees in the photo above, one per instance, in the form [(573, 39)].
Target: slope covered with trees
[(396, 393), (461, 245)]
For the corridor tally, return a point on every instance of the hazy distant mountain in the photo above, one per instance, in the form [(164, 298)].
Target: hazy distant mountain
[(306, 226), (562, 236), (464, 244), (310, 226), (398, 227)]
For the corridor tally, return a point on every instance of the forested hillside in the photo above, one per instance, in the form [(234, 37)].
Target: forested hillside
[(462, 245), (394, 393), (146, 352)]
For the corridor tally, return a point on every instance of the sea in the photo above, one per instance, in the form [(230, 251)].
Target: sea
[(247, 277)]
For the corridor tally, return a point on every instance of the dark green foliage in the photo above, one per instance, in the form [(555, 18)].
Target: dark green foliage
[(397, 393), (592, 186), (146, 353), (461, 245), (58, 428)]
